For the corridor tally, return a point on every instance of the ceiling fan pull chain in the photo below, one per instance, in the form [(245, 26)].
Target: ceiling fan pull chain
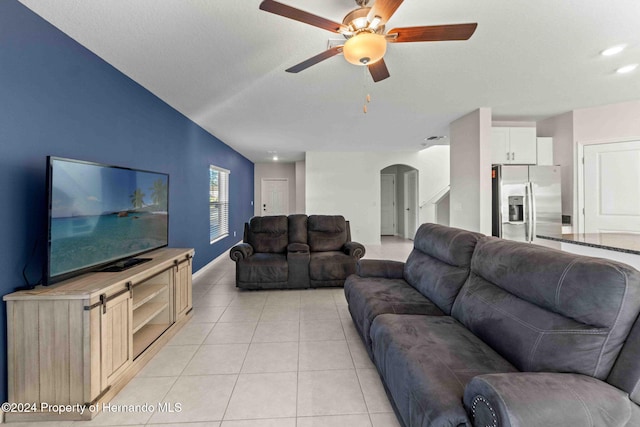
[(365, 88)]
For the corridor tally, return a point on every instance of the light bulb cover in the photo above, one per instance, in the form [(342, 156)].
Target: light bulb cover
[(614, 50), (365, 48), (627, 69)]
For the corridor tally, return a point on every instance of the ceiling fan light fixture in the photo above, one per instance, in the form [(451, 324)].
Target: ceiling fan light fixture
[(359, 23), (375, 22), (365, 48)]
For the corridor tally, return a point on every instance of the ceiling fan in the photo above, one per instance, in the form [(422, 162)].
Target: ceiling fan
[(364, 31)]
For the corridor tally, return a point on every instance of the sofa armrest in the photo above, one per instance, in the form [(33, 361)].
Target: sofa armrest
[(380, 268), (298, 248), (537, 399), (241, 251), (354, 249)]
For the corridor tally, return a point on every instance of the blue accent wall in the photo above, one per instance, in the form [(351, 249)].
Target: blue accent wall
[(57, 98)]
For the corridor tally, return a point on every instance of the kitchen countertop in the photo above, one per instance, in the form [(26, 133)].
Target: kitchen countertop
[(620, 242)]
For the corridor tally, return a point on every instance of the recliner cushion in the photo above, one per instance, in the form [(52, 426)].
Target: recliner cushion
[(263, 268), (439, 263), (369, 297), (326, 232), (331, 265), (547, 310), (269, 234), (426, 362)]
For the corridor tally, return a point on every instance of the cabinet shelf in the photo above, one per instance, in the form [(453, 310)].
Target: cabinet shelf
[(146, 313), (147, 335), (144, 293)]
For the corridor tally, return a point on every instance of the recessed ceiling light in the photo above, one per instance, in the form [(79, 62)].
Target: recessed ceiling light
[(627, 69), (613, 50), (275, 158)]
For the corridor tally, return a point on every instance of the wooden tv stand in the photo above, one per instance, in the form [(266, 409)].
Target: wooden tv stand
[(79, 342)]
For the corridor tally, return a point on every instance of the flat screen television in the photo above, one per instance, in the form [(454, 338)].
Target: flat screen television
[(102, 217)]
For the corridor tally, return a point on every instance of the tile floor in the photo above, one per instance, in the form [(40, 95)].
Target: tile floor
[(260, 359)]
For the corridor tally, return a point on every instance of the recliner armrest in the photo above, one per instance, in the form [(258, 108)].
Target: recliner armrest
[(241, 251), (541, 399), (298, 248), (380, 268), (354, 249)]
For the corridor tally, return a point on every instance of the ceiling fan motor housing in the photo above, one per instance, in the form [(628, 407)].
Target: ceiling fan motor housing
[(357, 21)]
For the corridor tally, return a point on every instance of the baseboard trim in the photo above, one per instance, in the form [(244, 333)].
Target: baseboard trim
[(213, 263)]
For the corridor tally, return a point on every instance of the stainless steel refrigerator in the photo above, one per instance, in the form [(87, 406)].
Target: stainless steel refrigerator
[(526, 202)]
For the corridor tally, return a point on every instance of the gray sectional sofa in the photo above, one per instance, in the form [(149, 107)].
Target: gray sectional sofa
[(479, 331), (295, 252)]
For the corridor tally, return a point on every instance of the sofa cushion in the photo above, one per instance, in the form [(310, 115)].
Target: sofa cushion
[(297, 228), (426, 362), (263, 268), (326, 232), (439, 263), (268, 234), (626, 372), (369, 297), (547, 310), (331, 265)]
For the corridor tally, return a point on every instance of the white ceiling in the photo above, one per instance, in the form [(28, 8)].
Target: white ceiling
[(221, 63)]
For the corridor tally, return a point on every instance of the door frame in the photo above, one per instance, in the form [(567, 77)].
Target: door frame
[(286, 201), (579, 176), (414, 207), (395, 203)]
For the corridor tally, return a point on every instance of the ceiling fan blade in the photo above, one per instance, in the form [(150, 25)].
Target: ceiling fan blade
[(314, 60), (378, 70), (301, 16), (433, 33), (384, 9)]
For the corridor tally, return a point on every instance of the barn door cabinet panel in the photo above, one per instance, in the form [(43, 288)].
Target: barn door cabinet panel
[(184, 298), (80, 341)]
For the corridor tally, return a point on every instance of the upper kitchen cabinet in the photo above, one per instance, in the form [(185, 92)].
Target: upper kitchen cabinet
[(513, 145)]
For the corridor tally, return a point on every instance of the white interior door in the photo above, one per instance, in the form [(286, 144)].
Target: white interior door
[(612, 187), (410, 204), (387, 204), (275, 196)]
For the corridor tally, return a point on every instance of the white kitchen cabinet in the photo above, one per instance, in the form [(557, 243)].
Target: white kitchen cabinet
[(513, 145)]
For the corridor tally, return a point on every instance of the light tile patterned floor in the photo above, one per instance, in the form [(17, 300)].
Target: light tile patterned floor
[(261, 359)]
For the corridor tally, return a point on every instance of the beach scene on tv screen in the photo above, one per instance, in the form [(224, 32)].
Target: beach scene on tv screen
[(101, 214)]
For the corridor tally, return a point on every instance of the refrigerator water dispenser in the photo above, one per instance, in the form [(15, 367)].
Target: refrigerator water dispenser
[(516, 208)]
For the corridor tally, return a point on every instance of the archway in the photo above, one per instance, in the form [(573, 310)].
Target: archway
[(399, 201)]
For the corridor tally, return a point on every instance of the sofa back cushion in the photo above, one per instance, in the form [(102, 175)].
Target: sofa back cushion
[(268, 234), (297, 228), (326, 232), (547, 310), (439, 263), (626, 372)]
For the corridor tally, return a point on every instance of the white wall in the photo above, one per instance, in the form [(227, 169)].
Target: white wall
[(470, 171), (274, 170), (560, 128), (608, 123), (300, 187), (348, 184)]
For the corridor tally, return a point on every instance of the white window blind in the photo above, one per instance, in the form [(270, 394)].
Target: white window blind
[(218, 203)]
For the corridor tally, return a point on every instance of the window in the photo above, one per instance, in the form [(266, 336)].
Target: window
[(218, 203)]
